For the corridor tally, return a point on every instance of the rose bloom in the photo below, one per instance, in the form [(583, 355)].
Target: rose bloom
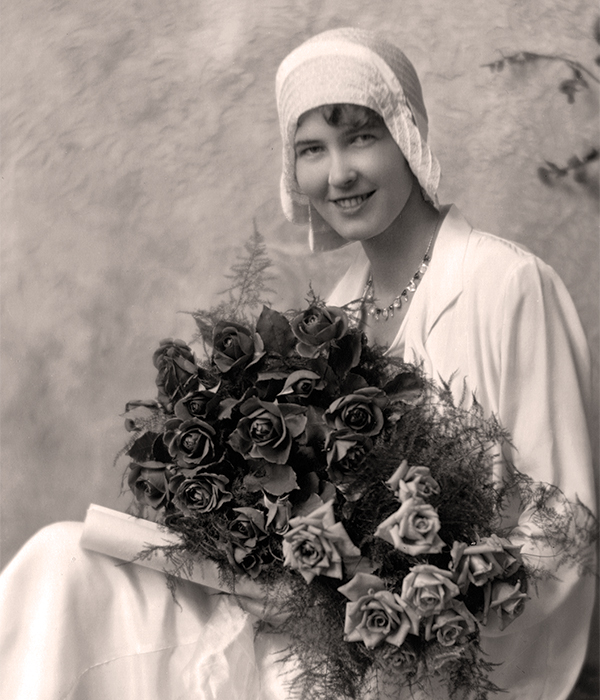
[(317, 327), (199, 492), (278, 513), (196, 404), (507, 601), (235, 346), (451, 626), (428, 589), (177, 371), (149, 483), (247, 528), (190, 442), (376, 615), (413, 528), (315, 545), (243, 537), (488, 559), (301, 384), (267, 430), (412, 482), (360, 411), (346, 445)]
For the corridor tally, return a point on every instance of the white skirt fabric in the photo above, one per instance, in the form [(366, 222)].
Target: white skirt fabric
[(78, 625)]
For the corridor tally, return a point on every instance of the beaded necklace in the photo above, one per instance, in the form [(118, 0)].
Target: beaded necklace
[(379, 313)]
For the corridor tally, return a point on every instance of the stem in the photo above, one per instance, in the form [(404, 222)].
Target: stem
[(524, 56)]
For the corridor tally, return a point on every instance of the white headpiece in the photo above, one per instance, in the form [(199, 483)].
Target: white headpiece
[(360, 67)]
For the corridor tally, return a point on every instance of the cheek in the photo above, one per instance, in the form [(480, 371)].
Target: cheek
[(311, 178), (399, 174)]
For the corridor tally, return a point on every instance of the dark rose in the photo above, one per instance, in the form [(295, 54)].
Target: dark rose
[(177, 371), (451, 626), (278, 513), (149, 483), (197, 404), (235, 347), (301, 384), (413, 528), (376, 615), (428, 589), (198, 491), (412, 482), (190, 442), (317, 327), (360, 411), (244, 534), (345, 447), (345, 452), (268, 430), (506, 600)]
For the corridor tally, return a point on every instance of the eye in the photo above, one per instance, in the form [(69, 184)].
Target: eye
[(363, 139), (307, 151)]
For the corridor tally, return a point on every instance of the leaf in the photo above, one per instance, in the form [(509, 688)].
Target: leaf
[(142, 449), (405, 386), (352, 383), (278, 479), (276, 332), (345, 354), (152, 405)]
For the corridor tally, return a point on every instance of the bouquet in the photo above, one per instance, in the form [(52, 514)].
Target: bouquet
[(349, 486)]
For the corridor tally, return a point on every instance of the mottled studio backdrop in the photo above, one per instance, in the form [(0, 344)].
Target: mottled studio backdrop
[(139, 145)]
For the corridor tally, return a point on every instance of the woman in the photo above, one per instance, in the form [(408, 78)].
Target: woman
[(468, 306), (473, 309)]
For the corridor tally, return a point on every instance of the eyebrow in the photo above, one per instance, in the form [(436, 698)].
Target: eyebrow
[(305, 142)]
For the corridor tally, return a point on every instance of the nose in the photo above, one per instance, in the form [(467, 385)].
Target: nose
[(341, 172)]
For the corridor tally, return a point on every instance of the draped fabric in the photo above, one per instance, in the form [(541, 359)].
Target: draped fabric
[(79, 625)]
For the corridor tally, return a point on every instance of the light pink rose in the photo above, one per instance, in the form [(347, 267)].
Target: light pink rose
[(315, 545), (428, 589), (376, 615), (412, 482), (413, 528)]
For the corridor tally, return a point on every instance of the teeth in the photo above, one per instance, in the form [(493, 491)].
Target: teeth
[(350, 202)]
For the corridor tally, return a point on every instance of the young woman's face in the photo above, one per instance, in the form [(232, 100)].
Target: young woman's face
[(356, 178)]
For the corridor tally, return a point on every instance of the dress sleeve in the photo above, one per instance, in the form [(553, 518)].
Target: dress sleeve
[(544, 388), (543, 401)]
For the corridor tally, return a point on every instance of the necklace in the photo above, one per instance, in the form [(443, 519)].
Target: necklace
[(386, 312)]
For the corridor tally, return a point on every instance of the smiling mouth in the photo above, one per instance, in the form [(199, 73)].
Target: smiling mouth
[(352, 202)]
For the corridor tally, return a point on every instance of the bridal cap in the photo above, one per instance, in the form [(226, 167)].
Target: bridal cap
[(360, 67)]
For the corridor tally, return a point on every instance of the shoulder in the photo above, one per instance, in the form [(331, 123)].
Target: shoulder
[(491, 262)]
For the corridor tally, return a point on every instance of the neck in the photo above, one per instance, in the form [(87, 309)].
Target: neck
[(398, 251)]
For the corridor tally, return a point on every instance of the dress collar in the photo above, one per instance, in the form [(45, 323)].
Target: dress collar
[(441, 285)]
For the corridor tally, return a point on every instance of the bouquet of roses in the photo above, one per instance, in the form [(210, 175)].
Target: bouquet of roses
[(346, 483)]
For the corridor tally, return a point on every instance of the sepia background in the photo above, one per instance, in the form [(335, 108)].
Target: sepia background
[(140, 147)]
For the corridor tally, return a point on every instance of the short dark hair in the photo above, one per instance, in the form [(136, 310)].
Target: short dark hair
[(343, 114)]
